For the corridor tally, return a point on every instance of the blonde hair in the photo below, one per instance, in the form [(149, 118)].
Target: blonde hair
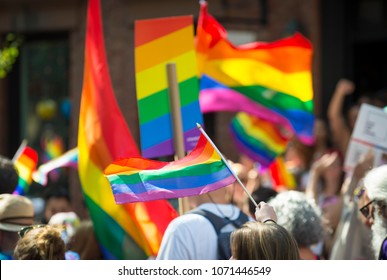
[(42, 243), (263, 241)]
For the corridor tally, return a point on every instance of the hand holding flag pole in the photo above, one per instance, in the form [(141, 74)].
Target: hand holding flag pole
[(228, 166)]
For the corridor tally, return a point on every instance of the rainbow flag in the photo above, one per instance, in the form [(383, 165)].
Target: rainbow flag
[(158, 42), (272, 81), (53, 147), (68, 159), (131, 231), (281, 177), (260, 140), (25, 163), (140, 179)]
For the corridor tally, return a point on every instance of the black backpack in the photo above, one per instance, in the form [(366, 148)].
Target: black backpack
[(224, 249)]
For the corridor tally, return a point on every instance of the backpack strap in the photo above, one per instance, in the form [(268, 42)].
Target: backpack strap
[(217, 222)]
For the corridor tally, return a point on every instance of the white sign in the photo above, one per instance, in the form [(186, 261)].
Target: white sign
[(370, 132)]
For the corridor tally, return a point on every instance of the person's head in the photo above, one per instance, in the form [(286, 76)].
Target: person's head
[(261, 194), (263, 241), (8, 175), (40, 242), (300, 216), (220, 196), (15, 212), (85, 243), (69, 220), (56, 201), (375, 183)]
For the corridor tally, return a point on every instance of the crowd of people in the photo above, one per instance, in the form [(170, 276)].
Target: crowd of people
[(306, 223)]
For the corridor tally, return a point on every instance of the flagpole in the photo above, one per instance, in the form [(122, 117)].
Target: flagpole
[(228, 166), (19, 150), (178, 134)]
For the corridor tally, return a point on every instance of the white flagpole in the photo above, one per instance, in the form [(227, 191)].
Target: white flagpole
[(19, 150), (228, 166)]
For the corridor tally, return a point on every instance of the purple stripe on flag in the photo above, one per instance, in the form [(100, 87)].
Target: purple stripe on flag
[(167, 194), (254, 156), (166, 148), (225, 99)]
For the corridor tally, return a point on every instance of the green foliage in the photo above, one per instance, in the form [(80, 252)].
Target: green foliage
[(9, 51)]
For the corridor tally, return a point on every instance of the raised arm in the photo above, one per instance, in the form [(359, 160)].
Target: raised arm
[(316, 171), (340, 130)]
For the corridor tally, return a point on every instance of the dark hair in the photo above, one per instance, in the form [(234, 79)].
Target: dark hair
[(57, 193), (261, 194), (8, 175)]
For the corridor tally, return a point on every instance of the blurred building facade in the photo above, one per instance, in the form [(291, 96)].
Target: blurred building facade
[(41, 95)]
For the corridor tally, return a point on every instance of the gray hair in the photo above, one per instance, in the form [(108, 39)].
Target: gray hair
[(300, 216), (376, 183)]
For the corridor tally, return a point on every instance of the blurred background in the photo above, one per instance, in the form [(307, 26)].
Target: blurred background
[(40, 93)]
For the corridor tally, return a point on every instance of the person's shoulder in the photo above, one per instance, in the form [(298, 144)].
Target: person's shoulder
[(383, 250), (187, 219)]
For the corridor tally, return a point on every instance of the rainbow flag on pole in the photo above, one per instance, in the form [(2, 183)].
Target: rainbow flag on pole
[(140, 179), (272, 81), (260, 140), (131, 231), (25, 162), (68, 159)]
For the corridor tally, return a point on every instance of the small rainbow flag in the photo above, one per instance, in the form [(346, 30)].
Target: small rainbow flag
[(25, 162), (53, 147), (68, 159), (140, 179), (281, 177), (272, 81), (131, 231), (260, 140)]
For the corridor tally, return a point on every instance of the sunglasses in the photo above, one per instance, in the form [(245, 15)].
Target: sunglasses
[(365, 210), (24, 230)]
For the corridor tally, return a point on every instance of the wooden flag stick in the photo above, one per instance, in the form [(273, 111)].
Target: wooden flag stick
[(178, 134), (228, 166)]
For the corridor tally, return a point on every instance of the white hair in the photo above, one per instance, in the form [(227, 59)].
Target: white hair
[(300, 216), (376, 183)]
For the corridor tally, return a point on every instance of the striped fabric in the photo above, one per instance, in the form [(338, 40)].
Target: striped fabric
[(140, 179), (260, 140), (158, 42), (68, 159), (281, 177), (25, 164), (132, 231), (272, 81)]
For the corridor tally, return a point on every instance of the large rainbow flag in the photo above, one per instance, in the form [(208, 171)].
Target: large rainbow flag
[(158, 42), (131, 231), (272, 81), (260, 140), (25, 163), (140, 179)]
